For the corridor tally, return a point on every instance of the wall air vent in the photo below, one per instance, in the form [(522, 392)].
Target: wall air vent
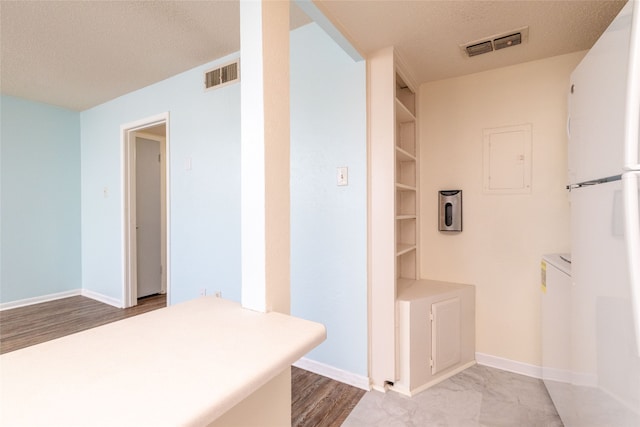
[(495, 42), (222, 76)]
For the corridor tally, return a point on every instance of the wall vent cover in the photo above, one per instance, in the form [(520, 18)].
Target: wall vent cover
[(222, 76)]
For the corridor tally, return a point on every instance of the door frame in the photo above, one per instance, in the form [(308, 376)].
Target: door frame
[(128, 133)]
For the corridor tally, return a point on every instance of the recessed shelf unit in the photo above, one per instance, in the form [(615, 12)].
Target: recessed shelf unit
[(406, 180), (394, 203)]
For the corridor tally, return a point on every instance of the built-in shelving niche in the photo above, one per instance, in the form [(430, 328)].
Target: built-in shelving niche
[(406, 178)]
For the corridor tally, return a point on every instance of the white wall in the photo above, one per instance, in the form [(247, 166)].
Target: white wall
[(504, 235)]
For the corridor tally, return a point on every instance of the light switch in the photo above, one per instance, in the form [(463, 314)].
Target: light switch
[(187, 164), (343, 176)]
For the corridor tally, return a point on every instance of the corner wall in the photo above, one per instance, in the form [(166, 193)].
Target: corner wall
[(504, 236), (204, 240), (40, 178), (329, 222)]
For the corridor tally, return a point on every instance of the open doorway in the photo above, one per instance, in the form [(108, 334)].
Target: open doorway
[(146, 225)]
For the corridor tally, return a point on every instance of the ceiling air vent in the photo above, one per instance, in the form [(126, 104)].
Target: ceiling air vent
[(496, 42), (507, 41), (222, 76), (479, 49)]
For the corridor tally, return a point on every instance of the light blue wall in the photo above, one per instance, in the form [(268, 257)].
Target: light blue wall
[(56, 165), (204, 201), (40, 179), (329, 223)]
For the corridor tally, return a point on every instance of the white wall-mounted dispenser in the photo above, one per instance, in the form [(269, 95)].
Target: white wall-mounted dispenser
[(450, 210)]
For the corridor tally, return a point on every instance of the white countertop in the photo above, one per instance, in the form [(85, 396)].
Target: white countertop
[(409, 290), (183, 365)]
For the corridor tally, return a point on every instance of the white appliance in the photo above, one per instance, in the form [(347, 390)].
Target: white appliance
[(604, 170), (556, 287)]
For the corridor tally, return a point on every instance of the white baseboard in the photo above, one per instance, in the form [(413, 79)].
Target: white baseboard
[(509, 365), (402, 389), (101, 298), (345, 377), (554, 374), (40, 299)]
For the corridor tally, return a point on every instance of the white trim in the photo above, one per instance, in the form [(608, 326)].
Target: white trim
[(583, 379), (509, 365), (554, 374), (40, 299), (345, 377), (402, 389), (129, 287), (101, 298)]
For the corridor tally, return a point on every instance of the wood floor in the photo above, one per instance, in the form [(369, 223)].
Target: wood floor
[(25, 326), (320, 401), (317, 401)]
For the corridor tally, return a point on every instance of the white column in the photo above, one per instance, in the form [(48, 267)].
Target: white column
[(382, 247), (264, 49)]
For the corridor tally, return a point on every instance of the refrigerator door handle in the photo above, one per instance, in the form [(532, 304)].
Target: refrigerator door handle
[(632, 239), (632, 110)]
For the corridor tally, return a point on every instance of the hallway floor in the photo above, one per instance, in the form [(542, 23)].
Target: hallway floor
[(478, 396)]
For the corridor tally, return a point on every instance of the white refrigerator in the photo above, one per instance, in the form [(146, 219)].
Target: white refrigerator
[(604, 175)]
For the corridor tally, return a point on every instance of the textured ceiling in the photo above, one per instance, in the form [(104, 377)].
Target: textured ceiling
[(427, 34), (78, 54)]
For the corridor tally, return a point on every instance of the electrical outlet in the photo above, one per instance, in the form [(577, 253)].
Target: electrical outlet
[(203, 292)]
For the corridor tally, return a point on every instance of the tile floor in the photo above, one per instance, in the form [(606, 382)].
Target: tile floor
[(478, 396)]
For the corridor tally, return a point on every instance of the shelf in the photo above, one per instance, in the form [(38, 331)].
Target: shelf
[(405, 172), (402, 217), (403, 248), (404, 94), (404, 284), (403, 114), (404, 156), (406, 264), (404, 187), (406, 203), (406, 137), (424, 288), (406, 237)]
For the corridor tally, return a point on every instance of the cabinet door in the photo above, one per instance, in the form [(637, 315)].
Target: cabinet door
[(445, 334)]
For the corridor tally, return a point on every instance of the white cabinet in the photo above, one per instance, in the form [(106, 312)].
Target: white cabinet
[(446, 335), (436, 323)]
